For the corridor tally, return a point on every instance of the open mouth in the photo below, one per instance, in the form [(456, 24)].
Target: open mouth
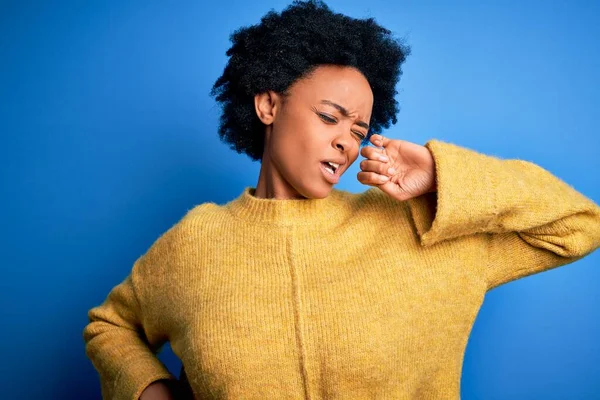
[(331, 167)]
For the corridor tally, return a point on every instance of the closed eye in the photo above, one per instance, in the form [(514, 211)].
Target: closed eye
[(331, 120), (327, 118)]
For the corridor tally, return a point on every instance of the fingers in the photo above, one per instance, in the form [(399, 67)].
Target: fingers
[(377, 167), (375, 172), (372, 178), (379, 140), (374, 154)]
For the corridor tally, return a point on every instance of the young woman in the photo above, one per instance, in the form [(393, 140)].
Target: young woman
[(298, 290)]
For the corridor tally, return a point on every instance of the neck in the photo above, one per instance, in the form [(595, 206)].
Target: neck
[(271, 185)]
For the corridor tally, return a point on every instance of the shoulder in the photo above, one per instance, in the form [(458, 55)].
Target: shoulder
[(175, 241), (375, 208), (372, 198)]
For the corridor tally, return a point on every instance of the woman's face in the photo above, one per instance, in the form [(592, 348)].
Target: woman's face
[(324, 118)]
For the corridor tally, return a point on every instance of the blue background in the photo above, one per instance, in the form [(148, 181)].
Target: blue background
[(108, 137)]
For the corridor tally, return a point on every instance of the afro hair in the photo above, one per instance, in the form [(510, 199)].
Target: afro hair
[(285, 47)]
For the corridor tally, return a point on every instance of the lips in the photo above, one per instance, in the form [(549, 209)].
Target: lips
[(331, 178), (338, 162)]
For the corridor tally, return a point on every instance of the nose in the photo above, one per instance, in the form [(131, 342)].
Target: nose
[(343, 141)]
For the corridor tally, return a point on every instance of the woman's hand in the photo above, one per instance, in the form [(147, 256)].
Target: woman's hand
[(158, 390), (408, 172)]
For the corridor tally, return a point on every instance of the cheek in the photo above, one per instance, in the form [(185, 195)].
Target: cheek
[(291, 149), (301, 139)]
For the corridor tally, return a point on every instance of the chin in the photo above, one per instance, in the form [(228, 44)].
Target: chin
[(316, 191)]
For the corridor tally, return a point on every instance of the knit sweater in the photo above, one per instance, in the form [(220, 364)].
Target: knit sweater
[(354, 296)]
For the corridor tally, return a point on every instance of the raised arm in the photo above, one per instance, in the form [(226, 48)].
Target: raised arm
[(120, 340), (532, 220)]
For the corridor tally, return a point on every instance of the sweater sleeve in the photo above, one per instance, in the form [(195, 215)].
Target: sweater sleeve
[(121, 339), (531, 220)]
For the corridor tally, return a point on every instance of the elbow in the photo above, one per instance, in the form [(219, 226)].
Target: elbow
[(590, 241), (105, 320), (583, 239), (569, 238)]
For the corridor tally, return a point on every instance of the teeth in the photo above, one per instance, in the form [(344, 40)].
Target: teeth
[(330, 170), (334, 165)]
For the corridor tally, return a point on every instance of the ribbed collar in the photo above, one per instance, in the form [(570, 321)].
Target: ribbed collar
[(292, 212)]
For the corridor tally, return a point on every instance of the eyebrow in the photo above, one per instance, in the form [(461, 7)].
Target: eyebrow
[(345, 113)]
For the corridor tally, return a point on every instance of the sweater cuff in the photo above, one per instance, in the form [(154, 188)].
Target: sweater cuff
[(138, 375), (464, 202)]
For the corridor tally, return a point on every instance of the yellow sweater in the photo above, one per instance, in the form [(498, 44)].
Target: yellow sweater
[(355, 296)]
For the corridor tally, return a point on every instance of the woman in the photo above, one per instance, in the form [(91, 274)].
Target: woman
[(298, 290)]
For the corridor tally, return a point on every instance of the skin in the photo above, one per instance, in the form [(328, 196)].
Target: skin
[(406, 170), (301, 131), (158, 390), (297, 138)]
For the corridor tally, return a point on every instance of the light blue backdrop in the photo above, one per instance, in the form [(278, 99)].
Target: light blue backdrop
[(108, 136)]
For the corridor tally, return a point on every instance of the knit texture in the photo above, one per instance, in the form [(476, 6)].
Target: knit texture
[(355, 296)]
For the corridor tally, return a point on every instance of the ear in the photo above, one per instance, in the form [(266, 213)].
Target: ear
[(266, 105)]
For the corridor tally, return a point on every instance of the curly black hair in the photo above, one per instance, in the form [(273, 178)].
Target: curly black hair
[(285, 47)]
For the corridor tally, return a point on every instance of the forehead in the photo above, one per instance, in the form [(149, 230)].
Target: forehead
[(342, 85)]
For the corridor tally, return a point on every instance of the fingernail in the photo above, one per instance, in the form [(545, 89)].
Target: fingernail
[(392, 170), (383, 158)]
